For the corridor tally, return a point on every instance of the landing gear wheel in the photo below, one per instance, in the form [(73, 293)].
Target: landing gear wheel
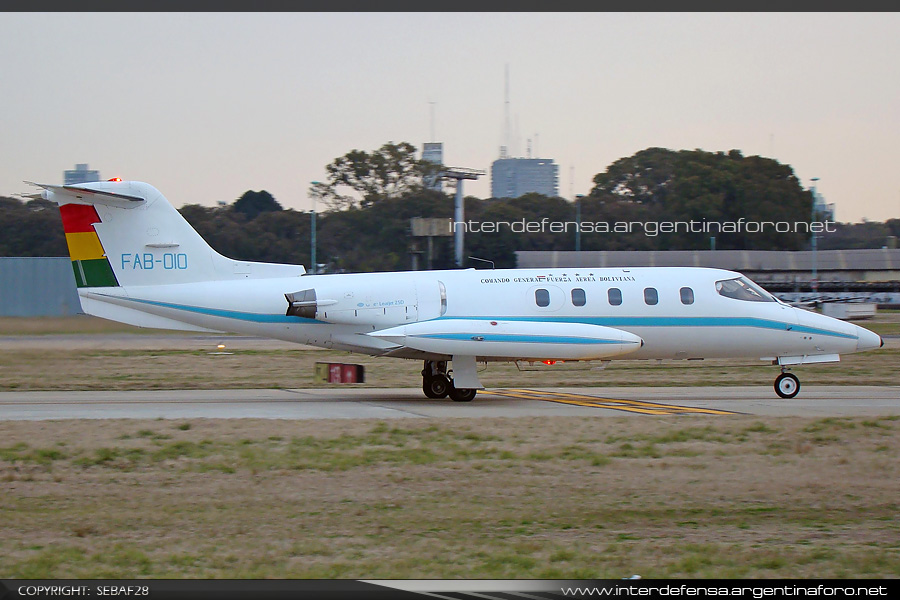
[(462, 394), (787, 385), (436, 386)]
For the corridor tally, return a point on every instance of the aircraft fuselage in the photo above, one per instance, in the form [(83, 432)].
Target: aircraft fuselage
[(690, 319)]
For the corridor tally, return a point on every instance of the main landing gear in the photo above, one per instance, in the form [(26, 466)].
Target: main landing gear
[(436, 383), (787, 385)]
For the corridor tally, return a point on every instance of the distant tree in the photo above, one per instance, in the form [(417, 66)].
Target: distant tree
[(868, 234), (510, 216), (32, 228), (253, 203), (694, 185), (372, 232), (377, 237), (389, 172), (273, 236), (643, 177), (603, 210), (893, 226)]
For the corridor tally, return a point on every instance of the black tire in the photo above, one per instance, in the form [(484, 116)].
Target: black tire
[(787, 385), (462, 394), (436, 386)]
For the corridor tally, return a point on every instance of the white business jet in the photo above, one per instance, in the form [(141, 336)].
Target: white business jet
[(137, 261)]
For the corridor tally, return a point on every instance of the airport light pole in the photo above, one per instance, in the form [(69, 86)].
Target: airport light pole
[(578, 229), (459, 174), (312, 234), (814, 284)]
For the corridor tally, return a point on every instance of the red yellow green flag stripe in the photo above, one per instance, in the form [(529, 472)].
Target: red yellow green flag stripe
[(89, 262)]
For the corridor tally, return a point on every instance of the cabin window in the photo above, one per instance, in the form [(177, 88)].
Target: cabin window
[(742, 288), (651, 296), (615, 296), (578, 297), (687, 295), (542, 297)]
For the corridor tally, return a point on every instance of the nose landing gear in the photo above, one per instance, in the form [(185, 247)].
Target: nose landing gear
[(787, 385)]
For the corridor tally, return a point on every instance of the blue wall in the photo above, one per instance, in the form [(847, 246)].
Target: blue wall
[(37, 287)]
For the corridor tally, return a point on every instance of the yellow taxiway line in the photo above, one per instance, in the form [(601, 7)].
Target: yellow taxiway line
[(635, 406)]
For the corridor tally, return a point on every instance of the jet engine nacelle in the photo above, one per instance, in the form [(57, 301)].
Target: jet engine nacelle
[(539, 340), (366, 302), (302, 304)]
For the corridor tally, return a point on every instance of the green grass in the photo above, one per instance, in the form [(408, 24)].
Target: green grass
[(490, 498)]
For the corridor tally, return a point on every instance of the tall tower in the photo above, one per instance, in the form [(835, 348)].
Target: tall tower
[(80, 174), (514, 177), (434, 152)]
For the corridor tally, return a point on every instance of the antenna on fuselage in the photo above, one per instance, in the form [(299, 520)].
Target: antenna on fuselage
[(482, 260)]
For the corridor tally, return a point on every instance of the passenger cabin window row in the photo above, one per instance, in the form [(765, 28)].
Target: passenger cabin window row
[(614, 296)]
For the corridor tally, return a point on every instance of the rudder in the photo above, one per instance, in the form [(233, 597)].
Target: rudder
[(89, 261)]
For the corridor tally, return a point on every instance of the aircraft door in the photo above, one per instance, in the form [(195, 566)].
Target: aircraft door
[(412, 308), (432, 299)]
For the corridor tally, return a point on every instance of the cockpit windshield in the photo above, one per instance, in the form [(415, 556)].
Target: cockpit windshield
[(742, 288)]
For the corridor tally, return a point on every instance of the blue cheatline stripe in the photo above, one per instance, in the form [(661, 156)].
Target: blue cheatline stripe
[(228, 314), (528, 339), (603, 321), (670, 322)]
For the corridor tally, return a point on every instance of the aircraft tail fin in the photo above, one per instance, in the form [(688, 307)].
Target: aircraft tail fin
[(123, 233)]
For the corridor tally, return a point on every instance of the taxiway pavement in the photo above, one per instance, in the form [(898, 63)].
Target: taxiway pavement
[(384, 403)]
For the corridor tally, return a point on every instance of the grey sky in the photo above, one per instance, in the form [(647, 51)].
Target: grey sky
[(207, 106)]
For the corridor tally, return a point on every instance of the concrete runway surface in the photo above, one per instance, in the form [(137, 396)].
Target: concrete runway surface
[(382, 403)]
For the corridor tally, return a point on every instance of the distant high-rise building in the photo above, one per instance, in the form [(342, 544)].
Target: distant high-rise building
[(824, 210), (80, 174), (433, 152), (514, 177)]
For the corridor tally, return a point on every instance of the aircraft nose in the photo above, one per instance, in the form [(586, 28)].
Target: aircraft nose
[(867, 340)]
